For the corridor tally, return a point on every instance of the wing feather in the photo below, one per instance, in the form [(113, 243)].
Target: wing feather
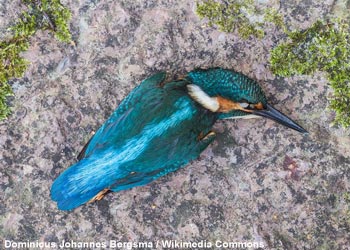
[(102, 135)]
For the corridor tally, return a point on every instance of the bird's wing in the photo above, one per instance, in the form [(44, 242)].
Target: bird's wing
[(147, 139), (102, 135), (169, 152)]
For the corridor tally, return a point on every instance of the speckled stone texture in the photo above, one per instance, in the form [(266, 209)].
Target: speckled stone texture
[(258, 181)]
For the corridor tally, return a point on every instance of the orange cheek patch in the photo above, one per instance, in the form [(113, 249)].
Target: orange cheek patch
[(228, 105), (259, 106)]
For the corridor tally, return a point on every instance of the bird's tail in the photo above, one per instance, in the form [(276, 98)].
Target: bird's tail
[(79, 184)]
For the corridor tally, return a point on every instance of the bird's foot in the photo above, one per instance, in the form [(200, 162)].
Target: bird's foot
[(205, 137), (210, 135), (205, 141), (100, 195)]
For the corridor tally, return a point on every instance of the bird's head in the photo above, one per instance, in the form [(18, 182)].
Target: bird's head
[(233, 95)]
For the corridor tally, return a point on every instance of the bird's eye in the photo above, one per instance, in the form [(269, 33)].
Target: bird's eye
[(244, 104)]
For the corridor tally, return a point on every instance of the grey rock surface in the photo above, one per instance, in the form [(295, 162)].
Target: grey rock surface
[(258, 181)]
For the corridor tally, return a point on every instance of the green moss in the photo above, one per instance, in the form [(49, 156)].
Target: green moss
[(322, 47), (51, 15), (272, 16), (46, 15), (11, 65), (5, 90), (231, 16)]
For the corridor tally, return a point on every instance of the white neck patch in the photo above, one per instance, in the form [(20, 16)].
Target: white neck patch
[(203, 98)]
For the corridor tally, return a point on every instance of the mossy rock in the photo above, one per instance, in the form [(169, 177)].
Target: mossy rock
[(325, 46), (45, 14)]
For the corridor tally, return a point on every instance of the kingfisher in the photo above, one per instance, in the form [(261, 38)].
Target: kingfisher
[(158, 128)]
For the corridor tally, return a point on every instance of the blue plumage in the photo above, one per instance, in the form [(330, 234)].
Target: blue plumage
[(158, 128), (145, 138)]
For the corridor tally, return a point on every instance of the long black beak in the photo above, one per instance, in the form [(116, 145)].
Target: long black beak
[(274, 114)]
